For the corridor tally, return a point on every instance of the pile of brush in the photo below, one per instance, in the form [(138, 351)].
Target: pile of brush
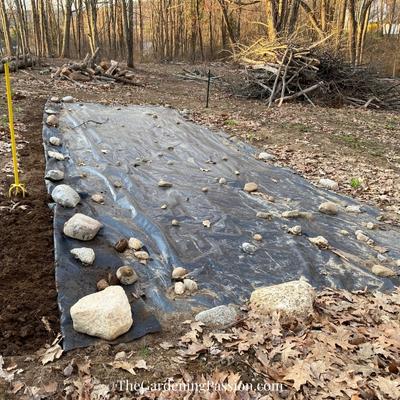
[(281, 72)]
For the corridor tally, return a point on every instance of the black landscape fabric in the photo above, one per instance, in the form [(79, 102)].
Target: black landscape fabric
[(137, 146)]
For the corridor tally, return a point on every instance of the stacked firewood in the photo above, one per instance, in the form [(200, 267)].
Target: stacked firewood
[(282, 72), (88, 70)]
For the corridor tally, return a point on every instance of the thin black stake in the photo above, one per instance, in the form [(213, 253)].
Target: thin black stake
[(208, 87)]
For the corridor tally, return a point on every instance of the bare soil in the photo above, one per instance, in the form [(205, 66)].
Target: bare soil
[(358, 148)]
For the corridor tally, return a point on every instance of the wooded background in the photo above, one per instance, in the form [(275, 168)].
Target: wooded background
[(164, 30)]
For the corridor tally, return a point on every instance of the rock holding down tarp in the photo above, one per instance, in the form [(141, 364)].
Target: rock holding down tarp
[(82, 227), (106, 314), (295, 298)]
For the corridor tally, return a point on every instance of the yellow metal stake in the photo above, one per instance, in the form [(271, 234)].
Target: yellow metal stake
[(17, 186)]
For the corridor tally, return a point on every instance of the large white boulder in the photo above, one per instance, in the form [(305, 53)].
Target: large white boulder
[(293, 298), (106, 314), (82, 227), (65, 196)]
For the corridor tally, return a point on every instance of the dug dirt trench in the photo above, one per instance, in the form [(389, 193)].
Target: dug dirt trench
[(28, 297)]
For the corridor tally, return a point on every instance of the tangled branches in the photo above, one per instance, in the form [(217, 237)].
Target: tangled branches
[(281, 72)]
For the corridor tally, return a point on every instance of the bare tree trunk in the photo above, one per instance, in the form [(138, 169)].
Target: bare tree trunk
[(65, 52), (6, 29)]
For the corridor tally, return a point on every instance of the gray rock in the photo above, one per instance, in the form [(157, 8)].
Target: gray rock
[(296, 214), (56, 155), (54, 175), (362, 237), (328, 207), (295, 230), (319, 241), (106, 314), (293, 298), (383, 271), (218, 316), (329, 184), (266, 156), (67, 99), (84, 254), (354, 209), (264, 215), (248, 248), (250, 187), (81, 227), (190, 285), (55, 141), (65, 196)]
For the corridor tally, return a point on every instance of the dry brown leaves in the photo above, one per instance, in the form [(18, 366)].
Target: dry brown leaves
[(349, 349)]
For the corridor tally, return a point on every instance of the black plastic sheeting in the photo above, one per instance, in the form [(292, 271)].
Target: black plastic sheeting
[(138, 146)]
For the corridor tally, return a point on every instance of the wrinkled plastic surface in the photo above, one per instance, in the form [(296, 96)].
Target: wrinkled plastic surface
[(138, 146)]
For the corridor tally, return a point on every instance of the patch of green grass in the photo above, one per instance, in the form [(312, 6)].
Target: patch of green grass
[(391, 125), (4, 121), (369, 146), (144, 352), (231, 122), (355, 183), (297, 126)]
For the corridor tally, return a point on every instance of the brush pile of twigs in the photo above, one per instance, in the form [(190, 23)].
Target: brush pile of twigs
[(281, 72)]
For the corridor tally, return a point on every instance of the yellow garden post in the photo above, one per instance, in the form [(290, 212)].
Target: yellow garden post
[(16, 186)]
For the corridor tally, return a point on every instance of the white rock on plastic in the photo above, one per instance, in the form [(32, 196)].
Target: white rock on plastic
[(218, 316), (190, 285), (295, 230), (97, 198), (85, 255), (82, 227), (329, 184), (354, 209), (67, 99), (293, 298), (52, 120), (179, 288), (65, 196), (55, 141), (135, 244), (54, 175), (328, 207), (319, 241), (56, 155), (383, 271), (106, 314), (248, 248)]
